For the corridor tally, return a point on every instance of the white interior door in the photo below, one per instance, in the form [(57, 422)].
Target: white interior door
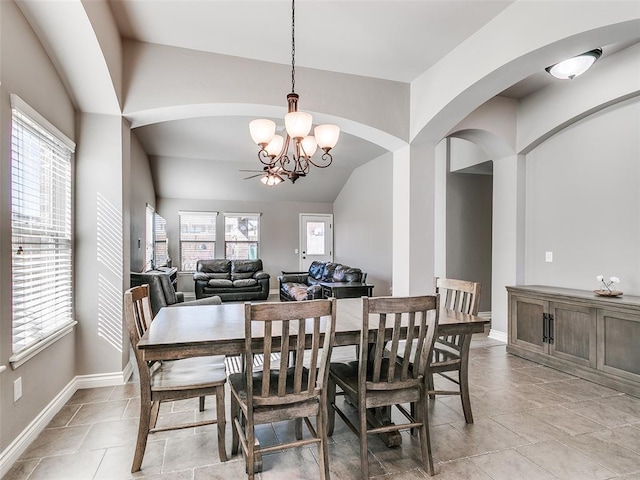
[(316, 239)]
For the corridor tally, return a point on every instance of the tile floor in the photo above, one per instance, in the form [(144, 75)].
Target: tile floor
[(531, 423)]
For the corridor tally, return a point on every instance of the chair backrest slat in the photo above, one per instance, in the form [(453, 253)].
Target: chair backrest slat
[(459, 295), (389, 322), (296, 330)]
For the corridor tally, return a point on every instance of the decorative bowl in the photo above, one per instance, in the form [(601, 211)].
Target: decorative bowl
[(607, 293)]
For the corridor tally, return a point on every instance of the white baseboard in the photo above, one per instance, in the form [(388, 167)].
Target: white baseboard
[(19, 445), (498, 335)]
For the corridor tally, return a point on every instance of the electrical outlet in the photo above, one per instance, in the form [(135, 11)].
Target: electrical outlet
[(17, 389), (548, 257)]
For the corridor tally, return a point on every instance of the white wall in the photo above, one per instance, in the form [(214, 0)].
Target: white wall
[(583, 202), (363, 223)]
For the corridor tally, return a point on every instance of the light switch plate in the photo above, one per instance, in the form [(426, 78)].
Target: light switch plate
[(17, 389), (548, 257)]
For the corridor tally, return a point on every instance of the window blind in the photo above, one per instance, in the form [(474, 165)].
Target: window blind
[(41, 233), (197, 238), (148, 242)]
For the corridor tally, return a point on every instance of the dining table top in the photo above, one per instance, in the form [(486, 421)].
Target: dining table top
[(186, 331)]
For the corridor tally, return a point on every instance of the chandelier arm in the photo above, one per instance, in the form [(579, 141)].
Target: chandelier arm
[(264, 158), (326, 157)]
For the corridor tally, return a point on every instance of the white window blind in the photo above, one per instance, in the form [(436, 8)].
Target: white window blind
[(197, 238), (160, 241), (241, 236), (148, 242), (41, 234)]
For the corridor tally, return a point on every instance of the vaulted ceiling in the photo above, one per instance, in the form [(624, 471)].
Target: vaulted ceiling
[(392, 40)]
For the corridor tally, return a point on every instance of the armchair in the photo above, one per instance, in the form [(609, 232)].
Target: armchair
[(162, 293)]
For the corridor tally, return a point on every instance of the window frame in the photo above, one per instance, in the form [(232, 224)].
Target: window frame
[(227, 243), (212, 217), (42, 166)]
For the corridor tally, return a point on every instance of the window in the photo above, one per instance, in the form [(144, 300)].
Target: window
[(160, 242), (148, 240), (41, 234), (241, 235), (197, 238)]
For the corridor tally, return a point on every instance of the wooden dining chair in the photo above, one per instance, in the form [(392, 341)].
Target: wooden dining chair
[(170, 380), (451, 353), (383, 378), (292, 389)]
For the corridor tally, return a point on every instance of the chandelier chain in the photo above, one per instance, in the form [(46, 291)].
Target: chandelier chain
[(293, 46), (274, 151)]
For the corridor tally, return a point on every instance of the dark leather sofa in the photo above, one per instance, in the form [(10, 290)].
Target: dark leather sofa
[(231, 280), (308, 285), (162, 293)]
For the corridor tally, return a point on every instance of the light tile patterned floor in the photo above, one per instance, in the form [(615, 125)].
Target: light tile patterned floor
[(531, 422)]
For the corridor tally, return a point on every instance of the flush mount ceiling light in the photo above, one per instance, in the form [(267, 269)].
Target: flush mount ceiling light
[(572, 67), (274, 149)]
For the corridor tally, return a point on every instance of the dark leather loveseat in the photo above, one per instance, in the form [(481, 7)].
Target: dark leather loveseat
[(231, 280), (309, 285)]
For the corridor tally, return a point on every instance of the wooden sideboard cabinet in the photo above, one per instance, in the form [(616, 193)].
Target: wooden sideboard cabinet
[(595, 338)]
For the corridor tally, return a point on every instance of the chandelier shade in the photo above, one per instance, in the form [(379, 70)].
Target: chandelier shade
[(291, 155), (298, 124), (262, 131), (326, 136)]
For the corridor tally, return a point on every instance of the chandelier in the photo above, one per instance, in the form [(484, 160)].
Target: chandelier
[(275, 154)]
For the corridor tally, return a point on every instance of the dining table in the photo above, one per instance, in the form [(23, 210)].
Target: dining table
[(201, 330)]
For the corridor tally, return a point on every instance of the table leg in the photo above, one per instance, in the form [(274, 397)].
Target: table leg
[(379, 417)]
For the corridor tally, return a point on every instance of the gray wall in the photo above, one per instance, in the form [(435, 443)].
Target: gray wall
[(583, 202), (27, 72), (363, 216), (141, 192), (469, 206), (279, 230)]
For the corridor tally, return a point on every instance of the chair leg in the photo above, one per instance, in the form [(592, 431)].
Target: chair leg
[(425, 437), (364, 447), (155, 409), (235, 414), (143, 432), (323, 450), (331, 400), (298, 428), (251, 449), (464, 394), (202, 404), (430, 385), (463, 379), (222, 422)]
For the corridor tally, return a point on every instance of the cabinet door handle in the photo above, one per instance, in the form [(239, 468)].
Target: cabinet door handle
[(550, 328), (545, 328)]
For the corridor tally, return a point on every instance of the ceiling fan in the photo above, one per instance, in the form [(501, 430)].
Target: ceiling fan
[(270, 176), (257, 173)]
